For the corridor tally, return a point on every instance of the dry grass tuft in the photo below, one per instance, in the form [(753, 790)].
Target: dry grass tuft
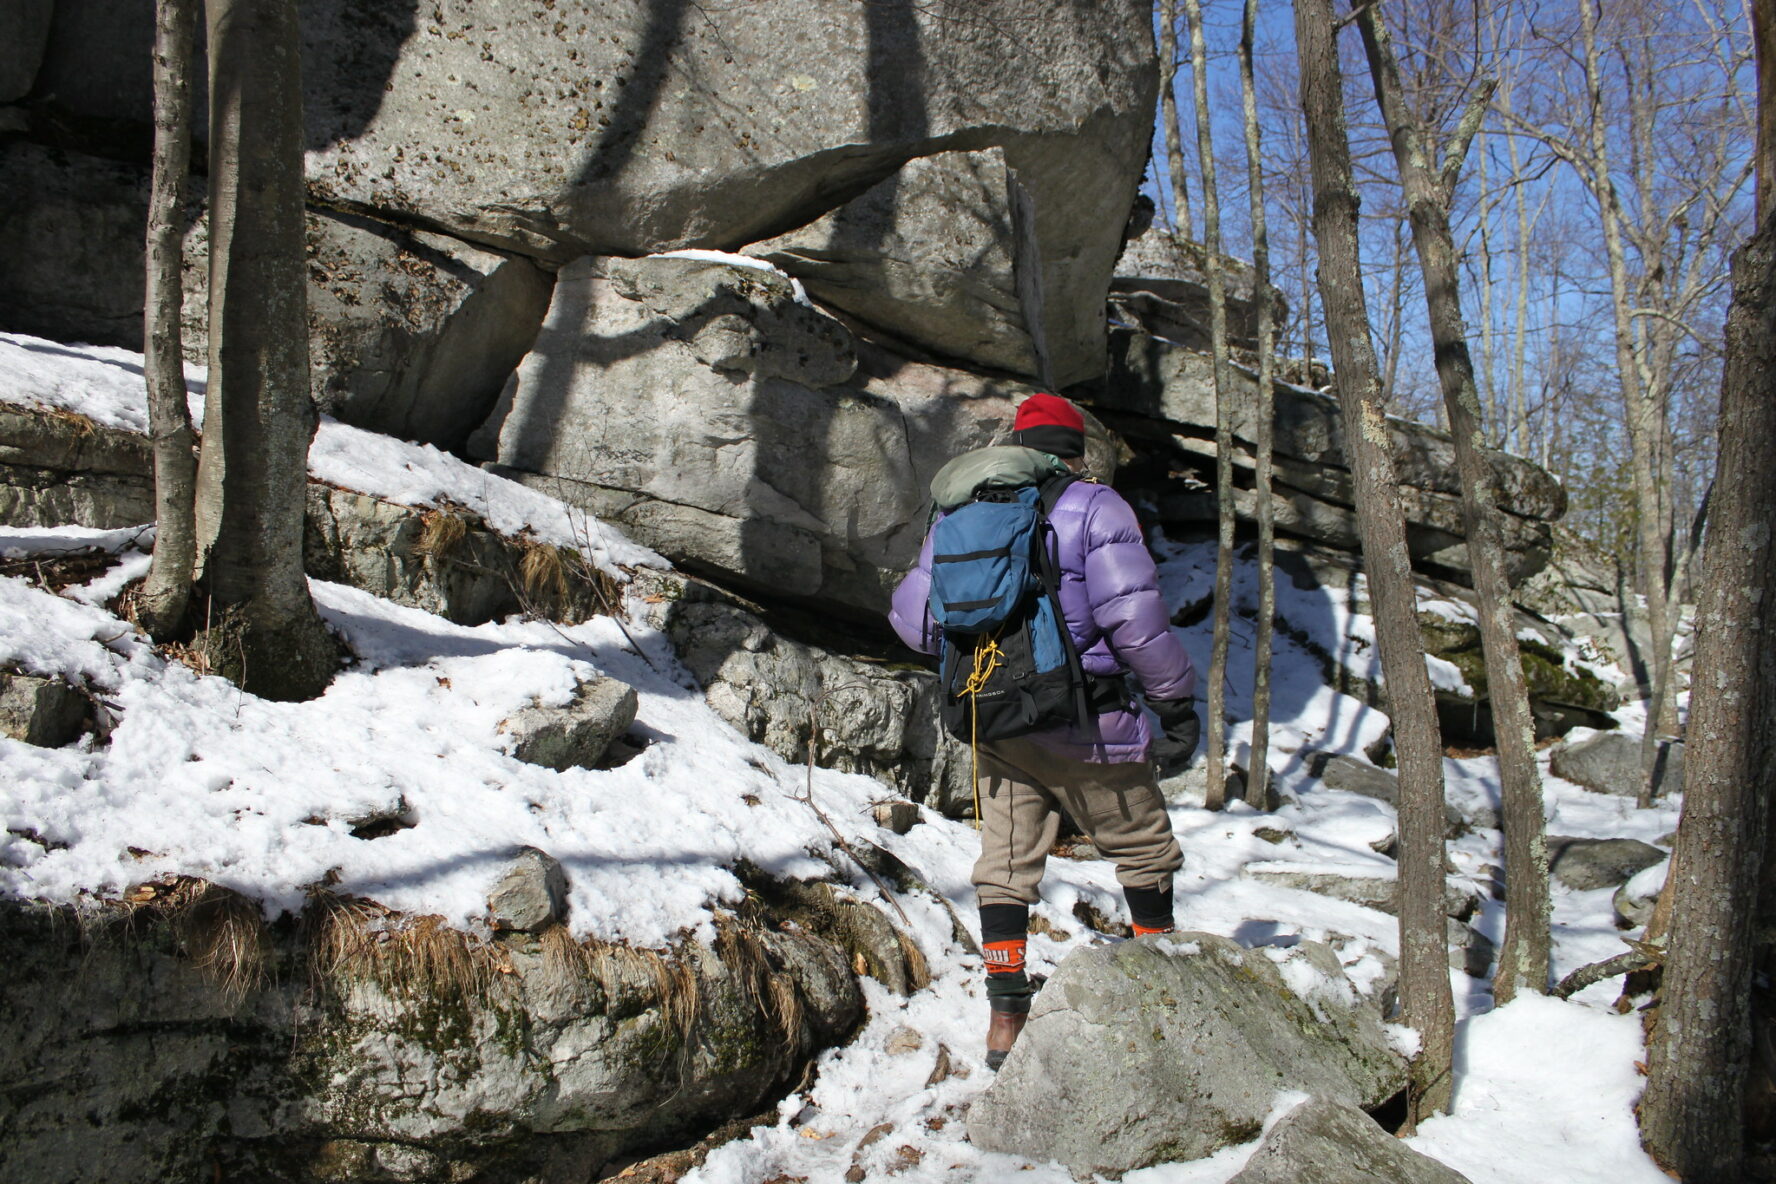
[(543, 570), (441, 532), (222, 932), (353, 938), (742, 949), (83, 425), (918, 971)]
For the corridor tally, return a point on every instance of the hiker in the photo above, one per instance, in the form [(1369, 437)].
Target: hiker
[(1097, 762)]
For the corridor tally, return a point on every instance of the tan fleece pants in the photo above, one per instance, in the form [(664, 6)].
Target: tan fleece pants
[(1024, 788)]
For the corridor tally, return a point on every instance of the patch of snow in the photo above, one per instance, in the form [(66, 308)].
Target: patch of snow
[(728, 257), (1403, 1040), (106, 385)]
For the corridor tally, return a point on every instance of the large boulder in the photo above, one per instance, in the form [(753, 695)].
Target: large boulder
[(1161, 284), (928, 255), (411, 334), (1169, 1048), (57, 469), (72, 229), (698, 405), (1161, 397), (1609, 762), (1331, 1142), (386, 1048), (630, 128)]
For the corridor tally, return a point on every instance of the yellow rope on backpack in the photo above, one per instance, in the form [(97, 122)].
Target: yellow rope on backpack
[(988, 657)]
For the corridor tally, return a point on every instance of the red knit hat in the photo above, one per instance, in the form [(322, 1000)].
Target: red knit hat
[(1049, 423), (1043, 409)]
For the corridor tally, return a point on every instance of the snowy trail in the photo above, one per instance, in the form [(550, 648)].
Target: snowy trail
[(199, 779)]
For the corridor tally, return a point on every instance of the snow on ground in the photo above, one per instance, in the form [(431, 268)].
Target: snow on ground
[(198, 778), (105, 384)]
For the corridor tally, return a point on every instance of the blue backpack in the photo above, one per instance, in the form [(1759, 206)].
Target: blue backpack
[(1008, 664)]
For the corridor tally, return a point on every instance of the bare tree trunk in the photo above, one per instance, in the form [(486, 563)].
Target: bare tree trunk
[(258, 417), (1258, 777), (1396, 322), (1690, 1115), (1168, 115), (1216, 725), (1486, 377), (167, 593), (1425, 995), (1642, 436), (1519, 400), (1763, 27), (1523, 957)]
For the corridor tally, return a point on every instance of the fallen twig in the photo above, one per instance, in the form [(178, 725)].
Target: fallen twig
[(1641, 957)]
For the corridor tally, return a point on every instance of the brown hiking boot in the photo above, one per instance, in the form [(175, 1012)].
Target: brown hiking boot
[(1002, 1033)]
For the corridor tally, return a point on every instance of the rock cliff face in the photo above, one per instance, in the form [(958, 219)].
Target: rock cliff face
[(734, 429), (632, 129), (925, 205), (183, 1038)]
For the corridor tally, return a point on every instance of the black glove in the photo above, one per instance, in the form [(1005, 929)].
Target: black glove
[(1181, 730)]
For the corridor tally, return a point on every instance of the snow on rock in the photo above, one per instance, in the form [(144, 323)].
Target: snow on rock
[(733, 260), (106, 385), (199, 779)]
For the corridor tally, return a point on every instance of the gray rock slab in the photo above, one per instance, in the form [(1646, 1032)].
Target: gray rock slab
[(576, 734), (1609, 762), (1153, 378), (1160, 284), (434, 1063), (43, 711), (72, 229), (629, 129), (411, 334), (57, 470), (530, 895), (1327, 1141), (1162, 1049), (1314, 499), (700, 407), (1378, 892), (927, 255), (1342, 771), (1598, 863)]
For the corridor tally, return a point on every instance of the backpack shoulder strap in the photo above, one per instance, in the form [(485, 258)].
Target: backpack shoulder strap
[(1050, 493), (1052, 489)]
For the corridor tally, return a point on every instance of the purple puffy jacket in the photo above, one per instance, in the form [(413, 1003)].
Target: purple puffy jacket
[(1110, 597)]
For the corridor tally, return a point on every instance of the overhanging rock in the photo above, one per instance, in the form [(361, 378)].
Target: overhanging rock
[(738, 432)]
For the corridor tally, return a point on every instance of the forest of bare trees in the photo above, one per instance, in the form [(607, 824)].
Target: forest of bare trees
[(1675, 105), (1553, 252)]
